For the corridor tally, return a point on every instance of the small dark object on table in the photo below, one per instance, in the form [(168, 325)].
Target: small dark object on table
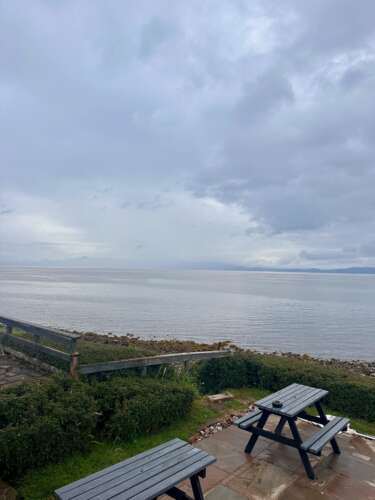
[(277, 404)]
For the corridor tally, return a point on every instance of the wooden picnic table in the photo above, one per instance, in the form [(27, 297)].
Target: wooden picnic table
[(289, 404), (145, 476)]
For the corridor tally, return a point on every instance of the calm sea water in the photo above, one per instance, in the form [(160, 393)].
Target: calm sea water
[(321, 314)]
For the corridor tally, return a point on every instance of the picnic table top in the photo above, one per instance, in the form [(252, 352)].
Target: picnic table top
[(143, 476), (294, 398)]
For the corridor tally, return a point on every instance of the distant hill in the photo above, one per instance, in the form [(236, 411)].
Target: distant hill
[(229, 267)]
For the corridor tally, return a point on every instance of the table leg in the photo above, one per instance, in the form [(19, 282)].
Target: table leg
[(304, 457), (325, 421), (280, 426), (254, 438), (197, 488)]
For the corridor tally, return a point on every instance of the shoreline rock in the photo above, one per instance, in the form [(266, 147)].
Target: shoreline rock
[(168, 345)]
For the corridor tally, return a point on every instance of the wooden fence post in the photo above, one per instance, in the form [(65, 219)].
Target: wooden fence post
[(74, 365)]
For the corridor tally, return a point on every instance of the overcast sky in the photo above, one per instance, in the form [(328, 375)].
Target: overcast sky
[(153, 133)]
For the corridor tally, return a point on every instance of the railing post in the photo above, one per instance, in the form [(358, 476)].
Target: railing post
[(74, 365)]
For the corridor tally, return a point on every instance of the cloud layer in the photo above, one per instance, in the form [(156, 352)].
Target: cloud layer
[(166, 133)]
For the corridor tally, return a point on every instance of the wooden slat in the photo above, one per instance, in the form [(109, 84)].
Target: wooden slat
[(33, 348), (303, 394), (306, 401), (177, 478), (151, 361), (295, 398), (277, 395), (132, 474), (52, 334), (158, 469), (136, 460), (139, 476), (290, 399), (316, 442), (156, 485), (248, 419)]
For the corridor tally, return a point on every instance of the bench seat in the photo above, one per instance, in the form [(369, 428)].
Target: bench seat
[(248, 419), (316, 442), (144, 476)]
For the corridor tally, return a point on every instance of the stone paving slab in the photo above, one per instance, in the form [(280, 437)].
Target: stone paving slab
[(13, 371), (275, 471)]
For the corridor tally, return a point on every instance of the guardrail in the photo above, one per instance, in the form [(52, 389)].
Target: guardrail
[(163, 359), (33, 348)]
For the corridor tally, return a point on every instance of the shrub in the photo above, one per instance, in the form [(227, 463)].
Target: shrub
[(43, 423), (132, 406), (352, 394)]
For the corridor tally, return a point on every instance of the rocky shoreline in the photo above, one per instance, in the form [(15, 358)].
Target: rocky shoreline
[(173, 345), (355, 366)]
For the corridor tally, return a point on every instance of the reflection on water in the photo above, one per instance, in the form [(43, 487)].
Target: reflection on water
[(321, 314)]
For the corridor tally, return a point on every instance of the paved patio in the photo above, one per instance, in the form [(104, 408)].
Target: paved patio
[(274, 471)]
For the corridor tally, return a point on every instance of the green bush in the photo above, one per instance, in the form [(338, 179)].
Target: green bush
[(131, 406), (351, 394), (43, 423)]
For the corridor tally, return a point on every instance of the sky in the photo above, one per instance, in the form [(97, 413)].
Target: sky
[(164, 133)]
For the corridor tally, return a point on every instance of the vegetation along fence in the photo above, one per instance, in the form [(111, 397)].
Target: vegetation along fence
[(13, 340), (163, 359)]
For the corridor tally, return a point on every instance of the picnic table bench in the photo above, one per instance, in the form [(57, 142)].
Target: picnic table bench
[(145, 476), (289, 404)]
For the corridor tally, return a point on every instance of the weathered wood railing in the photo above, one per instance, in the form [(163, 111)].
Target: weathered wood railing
[(163, 359), (34, 348)]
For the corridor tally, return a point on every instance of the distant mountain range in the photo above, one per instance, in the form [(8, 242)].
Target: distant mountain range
[(230, 267), (203, 266)]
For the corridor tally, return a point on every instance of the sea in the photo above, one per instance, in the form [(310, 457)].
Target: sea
[(324, 315)]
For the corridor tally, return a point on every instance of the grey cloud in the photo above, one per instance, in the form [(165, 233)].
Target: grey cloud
[(5, 210), (265, 94), (267, 106), (154, 33), (368, 249)]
